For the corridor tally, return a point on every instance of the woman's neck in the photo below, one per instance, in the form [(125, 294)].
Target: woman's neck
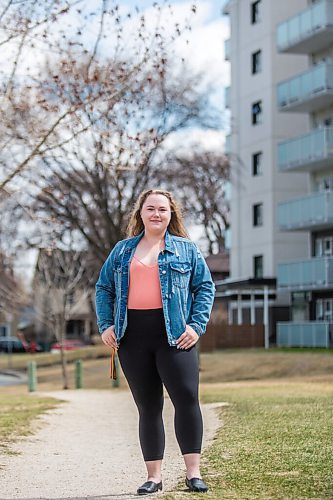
[(153, 239)]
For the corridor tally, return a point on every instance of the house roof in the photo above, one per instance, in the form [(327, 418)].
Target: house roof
[(218, 263)]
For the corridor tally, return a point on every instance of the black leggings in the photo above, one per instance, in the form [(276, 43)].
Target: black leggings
[(148, 362)]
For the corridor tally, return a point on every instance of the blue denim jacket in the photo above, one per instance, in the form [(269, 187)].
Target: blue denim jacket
[(187, 287)]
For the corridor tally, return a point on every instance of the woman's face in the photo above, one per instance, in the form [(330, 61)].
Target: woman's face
[(156, 213)]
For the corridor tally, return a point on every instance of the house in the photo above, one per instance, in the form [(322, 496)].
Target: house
[(63, 290)]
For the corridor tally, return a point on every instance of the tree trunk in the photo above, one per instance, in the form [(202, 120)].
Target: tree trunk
[(61, 337)]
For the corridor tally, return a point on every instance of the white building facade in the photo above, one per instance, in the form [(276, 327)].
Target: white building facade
[(257, 127)]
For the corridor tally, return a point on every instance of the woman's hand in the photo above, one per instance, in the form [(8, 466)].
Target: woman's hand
[(109, 337), (187, 339)]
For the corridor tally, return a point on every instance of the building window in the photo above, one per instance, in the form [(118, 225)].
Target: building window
[(255, 12), (324, 310), (258, 214), (3, 331), (256, 62), (325, 183), (258, 266), (256, 113), (257, 163), (324, 247)]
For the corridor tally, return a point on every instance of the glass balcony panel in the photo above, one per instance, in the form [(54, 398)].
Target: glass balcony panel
[(318, 81), (313, 273), (329, 79), (305, 25), (295, 88), (294, 29), (330, 271), (306, 86), (305, 147), (282, 35), (283, 94), (319, 15), (307, 334), (315, 146)]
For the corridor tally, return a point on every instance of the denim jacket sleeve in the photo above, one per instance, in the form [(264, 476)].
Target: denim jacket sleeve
[(105, 293), (203, 290)]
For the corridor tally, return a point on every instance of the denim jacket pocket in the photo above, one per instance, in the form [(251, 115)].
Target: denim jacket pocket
[(180, 273)]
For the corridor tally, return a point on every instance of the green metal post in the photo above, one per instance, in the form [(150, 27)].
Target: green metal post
[(115, 383), (78, 374), (32, 376)]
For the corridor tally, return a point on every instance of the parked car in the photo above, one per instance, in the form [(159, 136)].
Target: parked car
[(69, 345), (11, 344)]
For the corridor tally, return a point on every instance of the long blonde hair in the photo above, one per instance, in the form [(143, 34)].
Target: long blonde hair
[(176, 225)]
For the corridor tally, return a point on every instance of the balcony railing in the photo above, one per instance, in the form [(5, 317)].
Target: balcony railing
[(227, 49), (308, 32), (313, 211), (311, 274), (307, 152), (307, 92), (227, 97), (307, 334)]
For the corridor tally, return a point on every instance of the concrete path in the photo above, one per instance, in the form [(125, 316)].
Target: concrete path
[(10, 377), (88, 448)]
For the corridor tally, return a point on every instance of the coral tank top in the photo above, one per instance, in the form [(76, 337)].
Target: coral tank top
[(144, 286)]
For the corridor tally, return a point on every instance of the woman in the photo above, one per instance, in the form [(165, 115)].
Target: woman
[(153, 300)]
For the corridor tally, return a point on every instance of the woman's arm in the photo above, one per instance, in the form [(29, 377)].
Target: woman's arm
[(105, 293), (203, 290)]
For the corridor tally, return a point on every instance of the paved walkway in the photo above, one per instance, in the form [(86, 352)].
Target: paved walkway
[(88, 448)]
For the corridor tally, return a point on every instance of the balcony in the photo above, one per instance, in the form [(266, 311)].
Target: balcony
[(311, 274), (308, 32), (307, 334), (310, 152), (310, 91), (305, 214), (227, 97), (227, 49)]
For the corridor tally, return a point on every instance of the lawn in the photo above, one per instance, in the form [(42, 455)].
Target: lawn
[(275, 441), (20, 361), (18, 411)]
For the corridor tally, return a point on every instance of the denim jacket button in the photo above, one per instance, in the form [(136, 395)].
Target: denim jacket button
[(164, 272)]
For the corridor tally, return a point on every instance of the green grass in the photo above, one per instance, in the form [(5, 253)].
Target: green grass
[(275, 441), (258, 364), (17, 413), (20, 361)]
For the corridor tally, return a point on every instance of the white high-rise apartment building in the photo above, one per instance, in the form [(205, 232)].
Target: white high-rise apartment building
[(257, 126), (309, 93)]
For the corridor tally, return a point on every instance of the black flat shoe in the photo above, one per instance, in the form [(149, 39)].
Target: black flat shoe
[(196, 484), (149, 487)]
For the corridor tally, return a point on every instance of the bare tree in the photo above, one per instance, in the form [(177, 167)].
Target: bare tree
[(59, 274), (202, 179), (95, 181), (70, 84), (12, 295)]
